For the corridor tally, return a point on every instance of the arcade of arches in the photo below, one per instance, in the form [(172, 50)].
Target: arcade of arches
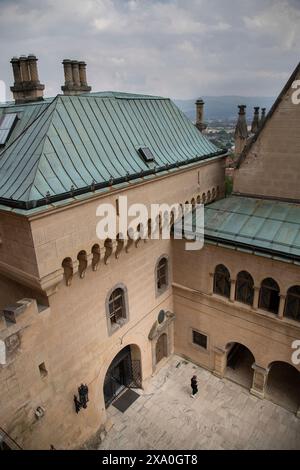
[(279, 382)]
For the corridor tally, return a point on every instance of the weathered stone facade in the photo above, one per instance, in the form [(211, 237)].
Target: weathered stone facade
[(64, 326)]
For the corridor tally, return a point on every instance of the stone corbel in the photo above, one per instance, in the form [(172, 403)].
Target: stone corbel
[(120, 245), (82, 264), (129, 244), (96, 257), (110, 249)]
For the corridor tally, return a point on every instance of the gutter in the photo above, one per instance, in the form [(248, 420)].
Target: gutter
[(254, 250), (27, 205)]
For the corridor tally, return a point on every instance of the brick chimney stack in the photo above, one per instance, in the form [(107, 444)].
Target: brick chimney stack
[(27, 86), (255, 122), (75, 78), (241, 130), (200, 115)]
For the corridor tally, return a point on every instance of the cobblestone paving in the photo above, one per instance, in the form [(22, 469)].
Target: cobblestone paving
[(223, 416)]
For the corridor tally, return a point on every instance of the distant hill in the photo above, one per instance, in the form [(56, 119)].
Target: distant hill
[(224, 108)]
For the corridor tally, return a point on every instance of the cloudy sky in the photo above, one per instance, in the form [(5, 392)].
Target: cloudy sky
[(176, 48)]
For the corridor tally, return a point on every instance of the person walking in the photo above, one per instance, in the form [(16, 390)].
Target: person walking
[(194, 386)]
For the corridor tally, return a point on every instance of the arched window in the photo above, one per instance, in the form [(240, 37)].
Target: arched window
[(222, 281), (117, 307), (292, 303), (162, 275), (244, 288), (269, 295)]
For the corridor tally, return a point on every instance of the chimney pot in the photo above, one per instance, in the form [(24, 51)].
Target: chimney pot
[(75, 70), (67, 63), (24, 68), (32, 62), (26, 86), (255, 122), (15, 62), (200, 115), (82, 73), (75, 77)]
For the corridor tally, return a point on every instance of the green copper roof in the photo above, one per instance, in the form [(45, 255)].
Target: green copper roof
[(261, 226), (67, 145)]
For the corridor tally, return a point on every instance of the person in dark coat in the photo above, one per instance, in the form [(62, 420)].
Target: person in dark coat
[(194, 385)]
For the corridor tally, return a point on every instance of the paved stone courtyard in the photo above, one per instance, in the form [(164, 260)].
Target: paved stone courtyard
[(223, 416)]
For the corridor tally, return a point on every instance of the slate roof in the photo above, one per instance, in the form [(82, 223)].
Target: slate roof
[(266, 227), (67, 145), (254, 138)]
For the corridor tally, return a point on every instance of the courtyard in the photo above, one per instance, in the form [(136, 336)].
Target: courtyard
[(224, 415)]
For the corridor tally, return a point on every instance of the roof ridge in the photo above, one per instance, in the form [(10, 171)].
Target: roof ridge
[(55, 101), (276, 103)]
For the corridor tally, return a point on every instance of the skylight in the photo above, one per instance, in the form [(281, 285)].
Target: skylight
[(7, 122), (146, 154)]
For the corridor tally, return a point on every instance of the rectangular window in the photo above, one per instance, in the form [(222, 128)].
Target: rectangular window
[(200, 339)]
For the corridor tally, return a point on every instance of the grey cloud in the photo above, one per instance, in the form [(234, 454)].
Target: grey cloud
[(178, 48)]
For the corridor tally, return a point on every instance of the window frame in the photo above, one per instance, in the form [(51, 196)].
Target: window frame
[(120, 321), (269, 289), (250, 289), (196, 345), (215, 281), (288, 299), (161, 289)]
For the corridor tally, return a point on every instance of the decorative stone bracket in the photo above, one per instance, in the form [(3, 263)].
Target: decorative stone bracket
[(157, 328)]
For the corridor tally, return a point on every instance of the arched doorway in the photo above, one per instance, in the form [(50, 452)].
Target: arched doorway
[(239, 364), (123, 372), (161, 347), (283, 385)]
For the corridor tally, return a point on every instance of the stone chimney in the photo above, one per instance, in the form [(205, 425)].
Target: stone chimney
[(75, 78), (27, 86), (255, 122), (262, 117), (241, 130), (200, 115)]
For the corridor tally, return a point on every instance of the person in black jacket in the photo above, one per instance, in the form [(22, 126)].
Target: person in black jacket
[(194, 386)]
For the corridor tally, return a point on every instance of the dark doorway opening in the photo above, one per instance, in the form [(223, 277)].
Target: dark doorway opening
[(283, 385), (124, 372), (239, 364)]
